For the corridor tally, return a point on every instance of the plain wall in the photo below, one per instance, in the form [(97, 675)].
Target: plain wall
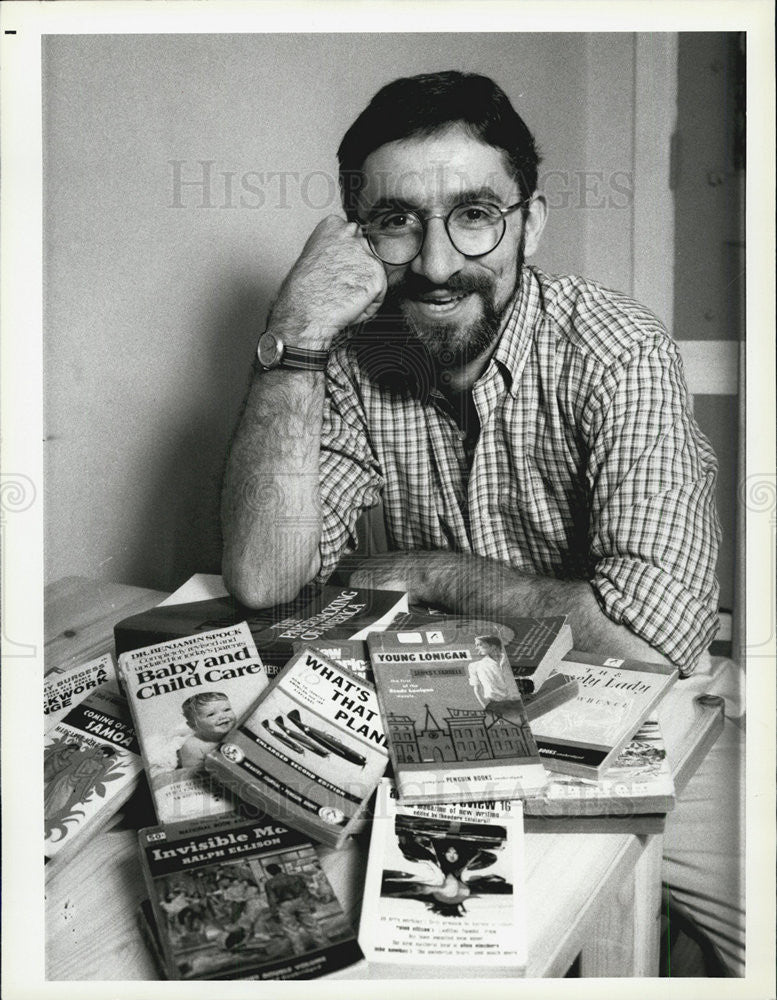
[(155, 294)]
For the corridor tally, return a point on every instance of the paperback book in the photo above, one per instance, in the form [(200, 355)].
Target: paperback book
[(533, 646), (317, 613), (349, 653), (185, 695), (439, 691), (310, 750), (91, 765), (239, 899), (638, 784), (430, 863), (64, 689), (584, 735)]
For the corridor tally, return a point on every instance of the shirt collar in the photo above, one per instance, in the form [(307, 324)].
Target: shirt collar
[(517, 330)]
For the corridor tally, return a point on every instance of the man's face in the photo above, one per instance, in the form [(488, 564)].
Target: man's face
[(452, 303)]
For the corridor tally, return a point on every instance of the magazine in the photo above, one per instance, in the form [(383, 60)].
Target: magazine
[(439, 691), (310, 750), (444, 887), (186, 695), (233, 899), (585, 734)]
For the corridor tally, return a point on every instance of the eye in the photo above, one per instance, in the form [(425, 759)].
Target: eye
[(476, 215), (395, 222)]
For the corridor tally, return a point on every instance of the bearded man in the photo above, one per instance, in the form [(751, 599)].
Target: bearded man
[(529, 437)]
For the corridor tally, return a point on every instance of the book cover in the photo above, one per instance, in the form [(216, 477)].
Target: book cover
[(185, 695), (310, 750), (63, 689), (349, 653), (437, 689), (532, 645), (638, 783), (316, 613), (585, 734), (444, 887), (144, 917), (91, 765), (239, 899)]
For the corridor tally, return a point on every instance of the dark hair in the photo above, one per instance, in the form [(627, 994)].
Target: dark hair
[(421, 105)]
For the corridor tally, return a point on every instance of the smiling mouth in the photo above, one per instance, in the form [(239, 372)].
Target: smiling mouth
[(441, 303)]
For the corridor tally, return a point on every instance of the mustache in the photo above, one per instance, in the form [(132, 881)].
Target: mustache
[(411, 286)]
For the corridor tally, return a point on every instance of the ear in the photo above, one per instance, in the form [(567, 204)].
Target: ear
[(536, 218)]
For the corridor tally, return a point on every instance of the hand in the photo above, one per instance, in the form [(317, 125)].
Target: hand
[(336, 282)]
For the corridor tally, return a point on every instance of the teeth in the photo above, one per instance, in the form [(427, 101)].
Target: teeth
[(442, 302)]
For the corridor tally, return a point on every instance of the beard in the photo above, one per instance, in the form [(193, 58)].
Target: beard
[(449, 344)]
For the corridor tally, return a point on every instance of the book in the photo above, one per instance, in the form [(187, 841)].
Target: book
[(532, 645), (585, 735), (349, 653), (63, 689), (144, 917), (310, 750), (233, 898), (317, 612), (429, 863), (435, 688), (639, 823), (185, 695), (91, 765), (639, 783)]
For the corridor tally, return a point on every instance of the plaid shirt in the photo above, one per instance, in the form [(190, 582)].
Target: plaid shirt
[(588, 464)]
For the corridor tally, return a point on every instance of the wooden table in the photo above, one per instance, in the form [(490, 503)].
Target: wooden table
[(596, 896)]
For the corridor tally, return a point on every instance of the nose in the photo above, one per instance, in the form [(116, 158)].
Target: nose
[(439, 258)]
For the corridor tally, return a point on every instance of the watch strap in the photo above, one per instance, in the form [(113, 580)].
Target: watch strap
[(304, 359)]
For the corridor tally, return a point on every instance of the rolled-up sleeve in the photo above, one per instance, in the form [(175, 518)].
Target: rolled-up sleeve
[(654, 529), (350, 476)]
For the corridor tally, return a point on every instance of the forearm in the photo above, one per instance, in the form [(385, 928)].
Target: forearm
[(478, 587), (271, 513)]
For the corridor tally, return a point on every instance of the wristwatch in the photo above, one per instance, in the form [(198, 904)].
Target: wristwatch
[(273, 353)]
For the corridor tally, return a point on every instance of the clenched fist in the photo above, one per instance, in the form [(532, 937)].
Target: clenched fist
[(335, 283)]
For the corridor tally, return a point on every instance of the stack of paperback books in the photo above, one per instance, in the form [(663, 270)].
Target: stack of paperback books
[(263, 734), (250, 759)]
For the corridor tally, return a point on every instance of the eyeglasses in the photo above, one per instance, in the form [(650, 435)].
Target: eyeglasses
[(474, 229)]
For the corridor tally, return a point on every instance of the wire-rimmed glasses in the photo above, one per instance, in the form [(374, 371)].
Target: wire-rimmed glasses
[(396, 236)]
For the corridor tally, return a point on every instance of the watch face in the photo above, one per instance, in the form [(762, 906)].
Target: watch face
[(269, 351)]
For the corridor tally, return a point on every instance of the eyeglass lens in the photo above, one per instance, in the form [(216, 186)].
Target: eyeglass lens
[(474, 230)]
